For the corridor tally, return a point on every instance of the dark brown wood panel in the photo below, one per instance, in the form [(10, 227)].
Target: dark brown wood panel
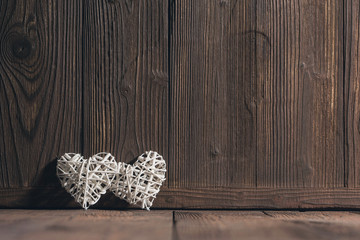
[(264, 198), (261, 109), (196, 198), (257, 94), (213, 92), (352, 92), (40, 88), (300, 96), (125, 77)]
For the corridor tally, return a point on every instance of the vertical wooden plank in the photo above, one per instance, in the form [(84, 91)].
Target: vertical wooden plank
[(125, 77), (213, 91), (40, 88), (241, 94), (351, 92), (274, 117), (300, 118)]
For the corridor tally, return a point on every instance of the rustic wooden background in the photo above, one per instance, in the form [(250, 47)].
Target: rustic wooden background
[(253, 103)]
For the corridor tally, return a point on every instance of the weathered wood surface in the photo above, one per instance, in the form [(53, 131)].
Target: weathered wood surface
[(300, 95), (125, 77), (257, 91), (197, 198), (352, 92), (266, 225), (177, 225), (81, 224), (40, 88), (254, 104), (213, 116)]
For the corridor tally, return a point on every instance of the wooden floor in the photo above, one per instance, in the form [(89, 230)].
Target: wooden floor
[(168, 224)]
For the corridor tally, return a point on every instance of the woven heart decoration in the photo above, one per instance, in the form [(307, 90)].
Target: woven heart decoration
[(87, 179), (140, 183)]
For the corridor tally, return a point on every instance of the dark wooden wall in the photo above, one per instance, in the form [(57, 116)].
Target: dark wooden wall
[(254, 104)]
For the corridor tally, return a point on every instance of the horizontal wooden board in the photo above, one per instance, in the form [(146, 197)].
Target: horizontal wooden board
[(177, 225), (266, 225), (198, 198), (79, 224)]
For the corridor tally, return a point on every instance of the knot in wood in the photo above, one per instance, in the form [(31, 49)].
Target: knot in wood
[(21, 46)]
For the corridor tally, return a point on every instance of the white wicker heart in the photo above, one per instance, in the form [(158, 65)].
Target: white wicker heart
[(140, 183), (87, 179)]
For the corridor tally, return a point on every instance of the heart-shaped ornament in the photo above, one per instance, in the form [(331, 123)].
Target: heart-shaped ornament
[(140, 183), (86, 179)]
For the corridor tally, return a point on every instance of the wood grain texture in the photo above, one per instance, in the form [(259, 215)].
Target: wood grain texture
[(198, 198), (264, 225), (40, 88), (257, 92), (125, 78), (177, 225), (351, 92), (316, 216), (254, 104), (80, 224), (213, 89), (264, 198), (300, 118)]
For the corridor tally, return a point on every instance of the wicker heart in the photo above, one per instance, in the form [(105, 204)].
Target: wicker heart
[(86, 179), (140, 183)]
